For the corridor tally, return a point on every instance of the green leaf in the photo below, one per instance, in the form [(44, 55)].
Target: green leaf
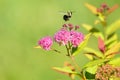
[(113, 49), (98, 34), (94, 52), (115, 61), (89, 55), (82, 45), (87, 27), (90, 28), (89, 76), (91, 7), (93, 30), (111, 40), (101, 17), (92, 69), (96, 62), (64, 70), (113, 27), (38, 47)]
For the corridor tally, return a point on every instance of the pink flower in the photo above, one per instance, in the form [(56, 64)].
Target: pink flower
[(76, 38), (45, 43), (62, 37)]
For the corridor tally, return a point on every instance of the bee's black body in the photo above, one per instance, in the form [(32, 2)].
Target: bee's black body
[(67, 16)]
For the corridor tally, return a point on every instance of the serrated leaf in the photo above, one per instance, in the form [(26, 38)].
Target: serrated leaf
[(96, 62), (113, 49), (94, 52), (82, 45), (115, 61), (64, 70), (113, 27)]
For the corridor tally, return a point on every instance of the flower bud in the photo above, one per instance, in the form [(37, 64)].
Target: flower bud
[(104, 5), (77, 27), (70, 26)]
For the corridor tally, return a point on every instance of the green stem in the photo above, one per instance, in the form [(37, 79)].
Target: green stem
[(74, 62), (68, 53), (56, 50), (83, 76), (105, 36)]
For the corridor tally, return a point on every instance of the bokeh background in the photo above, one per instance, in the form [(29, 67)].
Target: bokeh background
[(24, 22)]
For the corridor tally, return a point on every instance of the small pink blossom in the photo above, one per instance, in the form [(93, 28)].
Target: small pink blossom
[(100, 10), (45, 43), (70, 26), (62, 37), (65, 25), (77, 27), (104, 5), (76, 38)]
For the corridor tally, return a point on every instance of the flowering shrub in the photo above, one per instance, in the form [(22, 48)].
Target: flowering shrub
[(103, 64)]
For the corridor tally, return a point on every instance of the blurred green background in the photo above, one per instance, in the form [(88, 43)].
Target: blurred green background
[(24, 22)]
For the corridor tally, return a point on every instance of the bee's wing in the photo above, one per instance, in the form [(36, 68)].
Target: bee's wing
[(113, 8), (92, 8), (71, 11), (62, 12)]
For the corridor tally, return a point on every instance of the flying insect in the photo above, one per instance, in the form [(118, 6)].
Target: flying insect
[(67, 15)]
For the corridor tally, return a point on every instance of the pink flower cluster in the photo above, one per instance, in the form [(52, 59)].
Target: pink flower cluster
[(46, 43), (76, 38), (62, 37), (69, 35)]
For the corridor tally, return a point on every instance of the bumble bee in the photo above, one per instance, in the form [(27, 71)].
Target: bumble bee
[(67, 15)]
